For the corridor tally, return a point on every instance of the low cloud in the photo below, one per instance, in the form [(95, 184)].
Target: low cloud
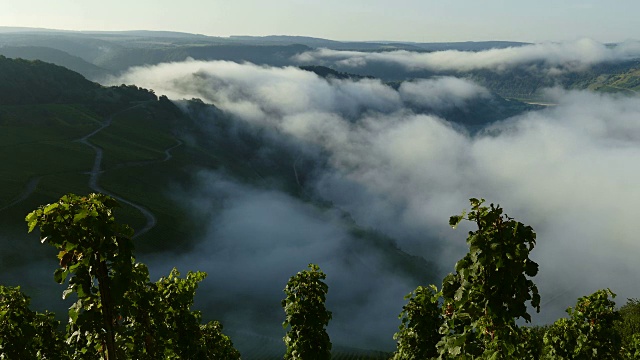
[(553, 57), (256, 239), (441, 93), (256, 92), (569, 171)]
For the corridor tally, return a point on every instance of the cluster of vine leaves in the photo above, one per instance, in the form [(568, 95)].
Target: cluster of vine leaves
[(306, 316), (119, 313), (25, 334), (490, 288), (474, 314)]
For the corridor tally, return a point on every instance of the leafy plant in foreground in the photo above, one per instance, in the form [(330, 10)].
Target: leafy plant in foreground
[(490, 288), (588, 333), (421, 318), (629, 327), (307, 316), (97, 252), (119, 312), (25, 334)]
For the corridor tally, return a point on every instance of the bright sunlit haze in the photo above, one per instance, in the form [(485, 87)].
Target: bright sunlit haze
[(362, 20)]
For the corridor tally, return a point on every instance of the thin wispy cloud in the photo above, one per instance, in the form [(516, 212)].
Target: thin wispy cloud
[(572, 56)]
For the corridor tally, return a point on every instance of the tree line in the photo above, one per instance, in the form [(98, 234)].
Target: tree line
[(120, 314)]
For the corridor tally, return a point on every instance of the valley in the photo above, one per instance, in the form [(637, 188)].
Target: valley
[(250, 157)]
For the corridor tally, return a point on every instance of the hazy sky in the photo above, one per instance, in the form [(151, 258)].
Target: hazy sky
[(409, 20)]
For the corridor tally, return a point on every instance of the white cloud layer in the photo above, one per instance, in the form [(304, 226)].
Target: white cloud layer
[(570, 171), (574, 55), (256, 239)]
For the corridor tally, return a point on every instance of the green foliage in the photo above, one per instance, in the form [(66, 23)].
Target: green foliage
[(589, 331), (631, 349), (156, 320), (119, 312), (490, 290), (25, 334), (307, 316), (93, 248), (418, 334), (214, 344), (479, 310), (532, 341), (629, 326), (24, 82)]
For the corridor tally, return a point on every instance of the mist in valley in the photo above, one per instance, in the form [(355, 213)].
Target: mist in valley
[(384, 156), (550, 57)]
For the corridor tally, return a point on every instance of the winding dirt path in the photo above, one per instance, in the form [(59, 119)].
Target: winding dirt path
[(96, 171)]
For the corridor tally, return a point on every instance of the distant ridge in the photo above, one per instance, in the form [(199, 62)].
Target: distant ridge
[(150, 33), (282, 40), (12, 29)]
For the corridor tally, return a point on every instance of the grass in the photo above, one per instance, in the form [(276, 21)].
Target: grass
[(37, 144), (149, 186), (25, 162), (36, 141), (134, 135)]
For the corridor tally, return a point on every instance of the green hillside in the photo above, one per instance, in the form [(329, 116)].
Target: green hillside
[(36, 82), (524, 84)]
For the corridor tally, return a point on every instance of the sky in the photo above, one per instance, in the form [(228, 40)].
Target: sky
[(400, 20)]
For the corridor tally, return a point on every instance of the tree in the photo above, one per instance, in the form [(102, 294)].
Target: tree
[(628, 327), (588, 333), (157, 321), (490, 288), (25, 334), (93, 248), (119, 312), (307, 316), (421, 318)]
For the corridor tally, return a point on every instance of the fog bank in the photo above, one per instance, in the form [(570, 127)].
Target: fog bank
[(571, 56), (569, 171)]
